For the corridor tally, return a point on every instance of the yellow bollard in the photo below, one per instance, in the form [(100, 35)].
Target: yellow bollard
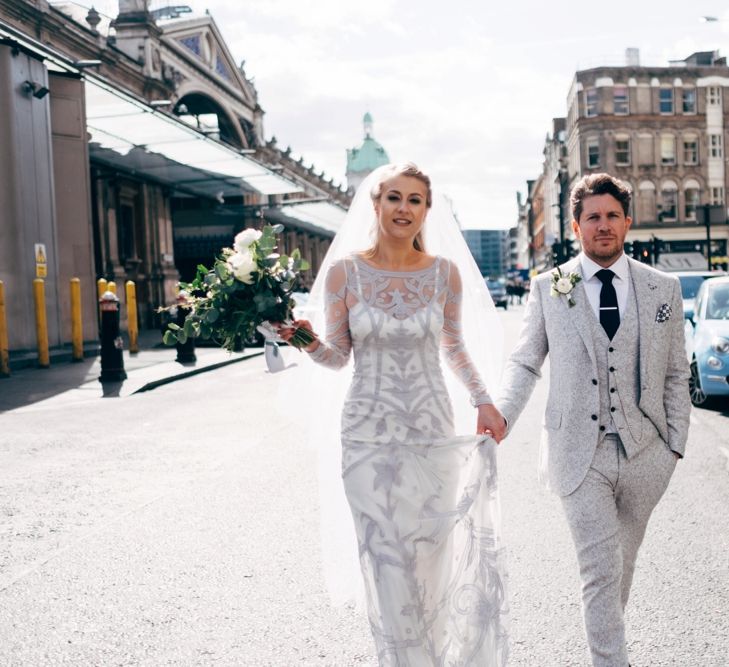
[(4, 355), (77, 337), (111, 287), (41, 324), (101, 287), (132, 324)]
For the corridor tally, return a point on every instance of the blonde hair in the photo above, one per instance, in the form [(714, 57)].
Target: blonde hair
[(388, 172)]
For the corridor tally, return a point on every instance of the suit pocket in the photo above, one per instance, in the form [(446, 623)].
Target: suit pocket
[(553, 419)]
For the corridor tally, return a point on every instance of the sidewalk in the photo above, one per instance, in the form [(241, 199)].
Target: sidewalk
[(67, 382)]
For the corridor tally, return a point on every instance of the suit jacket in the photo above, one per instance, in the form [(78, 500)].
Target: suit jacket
[(552, 327)]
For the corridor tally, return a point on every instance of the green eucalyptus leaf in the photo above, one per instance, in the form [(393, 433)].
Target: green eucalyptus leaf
[(173, 326), (169, 338)]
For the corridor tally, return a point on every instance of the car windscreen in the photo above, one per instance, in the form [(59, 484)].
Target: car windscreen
[(690, 285), (717, 307)]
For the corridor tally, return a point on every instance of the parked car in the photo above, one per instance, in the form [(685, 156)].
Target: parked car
[(690, 283), (707, 342), (497, 289)]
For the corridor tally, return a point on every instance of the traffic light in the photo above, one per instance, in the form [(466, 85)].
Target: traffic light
[(657, 248), (557, 254)]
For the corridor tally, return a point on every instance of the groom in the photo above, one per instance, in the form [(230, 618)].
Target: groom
[(618, 409)]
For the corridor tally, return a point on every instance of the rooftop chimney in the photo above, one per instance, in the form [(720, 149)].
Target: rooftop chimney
[(632, 57)]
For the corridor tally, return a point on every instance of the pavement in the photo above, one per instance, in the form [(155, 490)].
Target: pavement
[(66, 382)]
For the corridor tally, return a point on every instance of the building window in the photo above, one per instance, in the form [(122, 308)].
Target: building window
[(593, 153), (622, 151), (689, 100), (620, 100), (713, 94), (646, 156), (690, 150), (668, 149), (665, 97), (646, 202), (691, 201), (669, 203), (715, 145), (717, 195), (591, 102)]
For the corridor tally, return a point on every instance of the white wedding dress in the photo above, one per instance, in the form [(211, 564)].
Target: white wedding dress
[(424, 501)]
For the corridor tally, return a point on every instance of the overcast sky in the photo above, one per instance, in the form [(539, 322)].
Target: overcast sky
[(466, 89)]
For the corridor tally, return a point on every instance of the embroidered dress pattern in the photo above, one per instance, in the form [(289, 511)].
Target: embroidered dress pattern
[(424, 501)]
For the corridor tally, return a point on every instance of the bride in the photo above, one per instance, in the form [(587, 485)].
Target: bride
[(423, 499)]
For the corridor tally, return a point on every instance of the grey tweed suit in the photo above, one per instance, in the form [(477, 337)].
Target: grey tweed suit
[(616, 412)]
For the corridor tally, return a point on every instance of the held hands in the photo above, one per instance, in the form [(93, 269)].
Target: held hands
[(287, 330), (491, 422)]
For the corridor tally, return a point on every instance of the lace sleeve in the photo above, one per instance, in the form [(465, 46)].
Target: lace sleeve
[(453, 345), (334, 351)]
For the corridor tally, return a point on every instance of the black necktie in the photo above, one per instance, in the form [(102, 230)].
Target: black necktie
[(609, 313)]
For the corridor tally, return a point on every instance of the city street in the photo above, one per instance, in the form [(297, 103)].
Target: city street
[(180, 527)]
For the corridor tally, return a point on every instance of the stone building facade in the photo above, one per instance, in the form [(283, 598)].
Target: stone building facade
[(661, 130), (134, 150)]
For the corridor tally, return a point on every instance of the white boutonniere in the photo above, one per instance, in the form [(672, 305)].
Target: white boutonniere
[(563, 285)]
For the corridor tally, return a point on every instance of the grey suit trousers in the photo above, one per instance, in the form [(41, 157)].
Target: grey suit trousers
[(608, 515)]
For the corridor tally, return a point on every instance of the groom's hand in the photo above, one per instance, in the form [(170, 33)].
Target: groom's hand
[(491, 422)]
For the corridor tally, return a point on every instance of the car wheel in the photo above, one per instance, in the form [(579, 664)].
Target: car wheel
[(698, 397)]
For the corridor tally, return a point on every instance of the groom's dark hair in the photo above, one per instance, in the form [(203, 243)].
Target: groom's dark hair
[(598, 184)]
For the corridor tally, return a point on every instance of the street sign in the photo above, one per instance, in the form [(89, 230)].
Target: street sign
[(41, 261)]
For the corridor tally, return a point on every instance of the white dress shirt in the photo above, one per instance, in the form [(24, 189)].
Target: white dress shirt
[(621, 282)]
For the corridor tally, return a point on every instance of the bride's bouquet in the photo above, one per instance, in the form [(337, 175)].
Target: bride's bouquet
[(248, 286)]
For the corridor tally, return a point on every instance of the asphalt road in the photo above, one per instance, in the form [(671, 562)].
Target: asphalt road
[(180, 527)]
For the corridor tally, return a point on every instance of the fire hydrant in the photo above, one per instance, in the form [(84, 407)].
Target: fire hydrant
[(112, 345)]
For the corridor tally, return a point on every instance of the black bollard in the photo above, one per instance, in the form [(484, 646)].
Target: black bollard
[(112, 345), (186, 350)]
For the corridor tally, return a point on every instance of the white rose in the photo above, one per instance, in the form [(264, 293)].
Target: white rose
[(243, 266), (564, 286), (244, 240)]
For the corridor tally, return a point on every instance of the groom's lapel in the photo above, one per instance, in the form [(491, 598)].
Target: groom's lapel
[(579, 315), (647, 297)]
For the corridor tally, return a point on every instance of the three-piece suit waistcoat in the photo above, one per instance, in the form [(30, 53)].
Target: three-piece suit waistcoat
[(619, 377)]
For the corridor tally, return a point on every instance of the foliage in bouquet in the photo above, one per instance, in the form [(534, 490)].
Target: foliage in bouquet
[(249, 284)]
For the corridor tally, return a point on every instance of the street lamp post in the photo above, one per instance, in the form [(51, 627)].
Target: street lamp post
[(709, 211)]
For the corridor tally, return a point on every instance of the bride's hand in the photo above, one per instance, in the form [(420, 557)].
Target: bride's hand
[(491, 422), (286, 332)]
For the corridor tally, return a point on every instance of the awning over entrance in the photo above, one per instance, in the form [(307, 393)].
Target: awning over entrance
[(130, 135), (318, 216)]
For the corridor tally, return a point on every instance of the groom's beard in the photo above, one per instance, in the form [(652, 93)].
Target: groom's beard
[(604, 247)]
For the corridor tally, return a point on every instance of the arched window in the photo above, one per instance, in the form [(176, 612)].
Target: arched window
[(690, 149), (668, 206), (622, 150), (668, 149), (646, 205), (690, 199)]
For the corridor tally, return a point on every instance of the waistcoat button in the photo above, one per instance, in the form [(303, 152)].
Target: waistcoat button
[(594, 418), (602, 428), (612, 369), (594, 381)]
